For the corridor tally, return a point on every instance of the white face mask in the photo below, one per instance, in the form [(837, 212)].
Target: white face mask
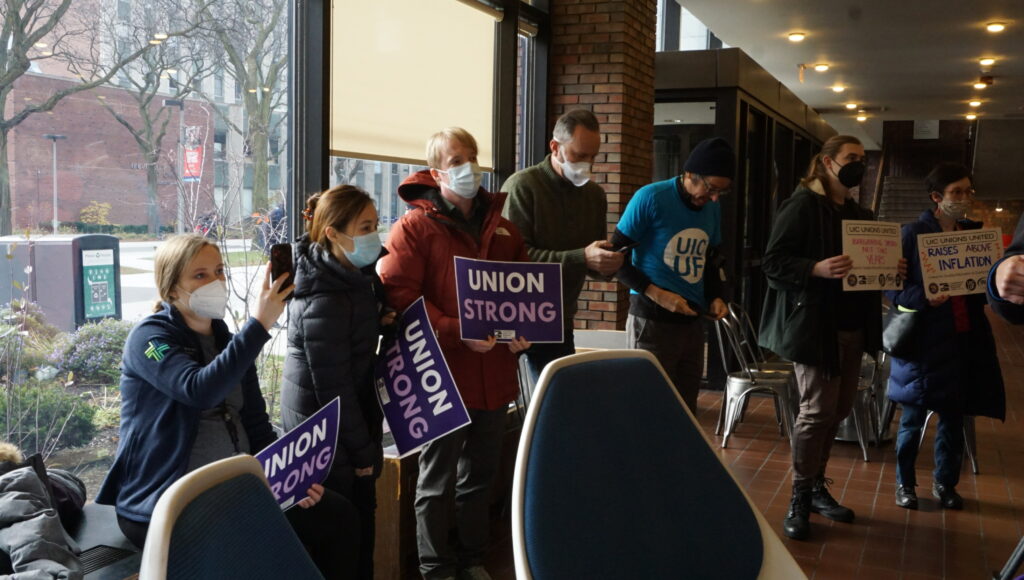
[(955, 209), (578, 173), (464, 180), (209, 301)]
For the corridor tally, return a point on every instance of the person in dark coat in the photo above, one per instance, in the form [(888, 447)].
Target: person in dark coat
[(809, 320), (335, 320), (956, 371)]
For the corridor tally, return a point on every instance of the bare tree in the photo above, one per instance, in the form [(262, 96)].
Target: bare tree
[(166, 71), (67, 32), (251, 41)]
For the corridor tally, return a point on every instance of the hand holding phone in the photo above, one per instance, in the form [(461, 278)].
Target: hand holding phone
[(281, 262)]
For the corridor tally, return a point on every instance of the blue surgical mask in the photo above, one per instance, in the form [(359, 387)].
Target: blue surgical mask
[(366, 251)]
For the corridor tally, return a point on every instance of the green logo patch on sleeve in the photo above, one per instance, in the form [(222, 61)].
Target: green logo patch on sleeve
[(156, 350)]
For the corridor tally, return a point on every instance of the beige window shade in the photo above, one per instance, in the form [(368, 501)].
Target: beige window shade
[(403, 69)]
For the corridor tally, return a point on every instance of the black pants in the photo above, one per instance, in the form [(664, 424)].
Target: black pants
[(362, 493), (329, 531)]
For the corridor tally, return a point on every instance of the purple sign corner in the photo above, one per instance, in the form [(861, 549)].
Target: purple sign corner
[(302, 456)]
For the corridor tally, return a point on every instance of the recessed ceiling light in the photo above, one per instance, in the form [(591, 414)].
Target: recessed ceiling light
[(101, 97), (797, 36), (851, 106), (987, 61), (160, 36), (980, 85), (47, 53), (838, 88), (971, 116), (40, 45), (821, 67), (862, 118), (154, 41), (974, 103), (995, 27)]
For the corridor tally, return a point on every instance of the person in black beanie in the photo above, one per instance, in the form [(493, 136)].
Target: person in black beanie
[(671, 231)]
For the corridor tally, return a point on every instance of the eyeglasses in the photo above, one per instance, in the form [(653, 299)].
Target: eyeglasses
[(969, 192), (714, 190)]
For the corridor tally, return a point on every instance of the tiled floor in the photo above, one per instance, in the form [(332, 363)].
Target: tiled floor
[(885, 541)]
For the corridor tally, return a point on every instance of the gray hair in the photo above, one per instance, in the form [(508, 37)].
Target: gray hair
[(566, 125)]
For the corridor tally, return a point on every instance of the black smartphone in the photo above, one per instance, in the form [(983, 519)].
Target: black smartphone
[(281, 262), (627, 247)]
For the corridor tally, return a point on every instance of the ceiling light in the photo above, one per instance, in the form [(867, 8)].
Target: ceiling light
[(160, 36), (838, 88), (974, 103), (971, 116), (797, 36), (995, 27), (47, 53), (851, 106), (999, 206), (101, 97), (171, 71), (252, 90), (154, 41), (862, 118), (40, 45), (987, 61), (821, 67), (980, 85)]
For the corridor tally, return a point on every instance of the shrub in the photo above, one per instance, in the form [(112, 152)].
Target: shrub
[(40, 418), (95, 213), (93, 352)]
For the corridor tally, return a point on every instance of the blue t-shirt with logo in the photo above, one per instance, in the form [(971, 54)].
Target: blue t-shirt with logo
[(673, 239)]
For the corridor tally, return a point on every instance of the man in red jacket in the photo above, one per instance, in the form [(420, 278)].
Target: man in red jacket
[(453, 216)]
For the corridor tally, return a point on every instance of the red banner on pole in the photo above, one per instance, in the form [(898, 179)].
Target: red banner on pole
[(192, 168)]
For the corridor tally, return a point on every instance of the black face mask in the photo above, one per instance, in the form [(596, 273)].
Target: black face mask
[(851, 174)]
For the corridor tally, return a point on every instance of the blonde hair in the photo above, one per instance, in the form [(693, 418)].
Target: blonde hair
[(830, 149), (170, 261), (438, 140)]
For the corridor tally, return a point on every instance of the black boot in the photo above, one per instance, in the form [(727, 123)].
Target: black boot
[(947, 496), (797, 524), (823, 503)]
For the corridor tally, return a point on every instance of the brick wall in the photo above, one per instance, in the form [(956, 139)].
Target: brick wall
[(602, 59)]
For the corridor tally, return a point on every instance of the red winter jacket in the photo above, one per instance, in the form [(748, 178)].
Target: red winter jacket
[(421, 262)]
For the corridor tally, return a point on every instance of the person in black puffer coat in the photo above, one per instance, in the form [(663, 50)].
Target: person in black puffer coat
[(335, 320), (956, 371)]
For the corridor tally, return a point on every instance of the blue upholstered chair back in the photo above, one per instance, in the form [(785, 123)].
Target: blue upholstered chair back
[(223, 523), (616, 480)]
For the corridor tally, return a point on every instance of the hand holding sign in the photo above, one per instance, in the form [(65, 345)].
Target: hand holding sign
[(834, 267), (302, 458), (505, 300), (481, 346), (874, 250), (957, 263)]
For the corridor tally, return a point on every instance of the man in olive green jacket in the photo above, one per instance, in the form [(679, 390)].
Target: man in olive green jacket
[(561, 213)]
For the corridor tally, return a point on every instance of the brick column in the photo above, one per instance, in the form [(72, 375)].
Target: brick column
[(602, 59)]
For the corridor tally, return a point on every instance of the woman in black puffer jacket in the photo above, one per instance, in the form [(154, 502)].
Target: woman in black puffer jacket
[(335, 319)]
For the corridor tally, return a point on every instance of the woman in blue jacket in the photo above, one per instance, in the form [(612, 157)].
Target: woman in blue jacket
[(955, 371), (190, 396), (334, 325)]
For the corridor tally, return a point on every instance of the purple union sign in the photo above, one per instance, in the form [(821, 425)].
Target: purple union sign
[(509, 299), (415, 388), (302, 456)]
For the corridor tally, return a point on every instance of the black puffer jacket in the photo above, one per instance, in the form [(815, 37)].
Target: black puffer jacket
[(334, 324)]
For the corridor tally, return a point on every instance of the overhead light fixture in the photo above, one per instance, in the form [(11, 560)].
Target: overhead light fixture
[(862, 118), (995, 27), (980, 85), (40, 45), (988, 61), (172, 71), (252, 90), (999, 206), (974, 103), (983, 81), (101, 97), (838, 88), (154, 41), (797, 36), (970, 116), (47, 53), (822, 67), (852, 106), (160, 36)]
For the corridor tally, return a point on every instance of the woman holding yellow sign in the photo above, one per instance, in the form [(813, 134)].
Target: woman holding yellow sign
[(954, 370)]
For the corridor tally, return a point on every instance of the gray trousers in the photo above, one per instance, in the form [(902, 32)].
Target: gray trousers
[(824, 402), (678, 346), (459, 468)]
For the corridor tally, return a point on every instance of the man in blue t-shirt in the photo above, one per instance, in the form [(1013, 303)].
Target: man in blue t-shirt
[(673, 230)]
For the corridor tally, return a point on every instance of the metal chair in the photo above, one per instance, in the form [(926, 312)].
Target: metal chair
[(747, 335), (970, 439), (742, 383)]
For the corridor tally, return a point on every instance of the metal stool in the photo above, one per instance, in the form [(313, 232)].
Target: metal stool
[(740, 384)]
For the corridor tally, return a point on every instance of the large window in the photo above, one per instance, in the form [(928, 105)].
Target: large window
[(679, 29)]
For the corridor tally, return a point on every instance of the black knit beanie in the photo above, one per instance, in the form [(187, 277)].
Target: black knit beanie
[(712, 157)]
